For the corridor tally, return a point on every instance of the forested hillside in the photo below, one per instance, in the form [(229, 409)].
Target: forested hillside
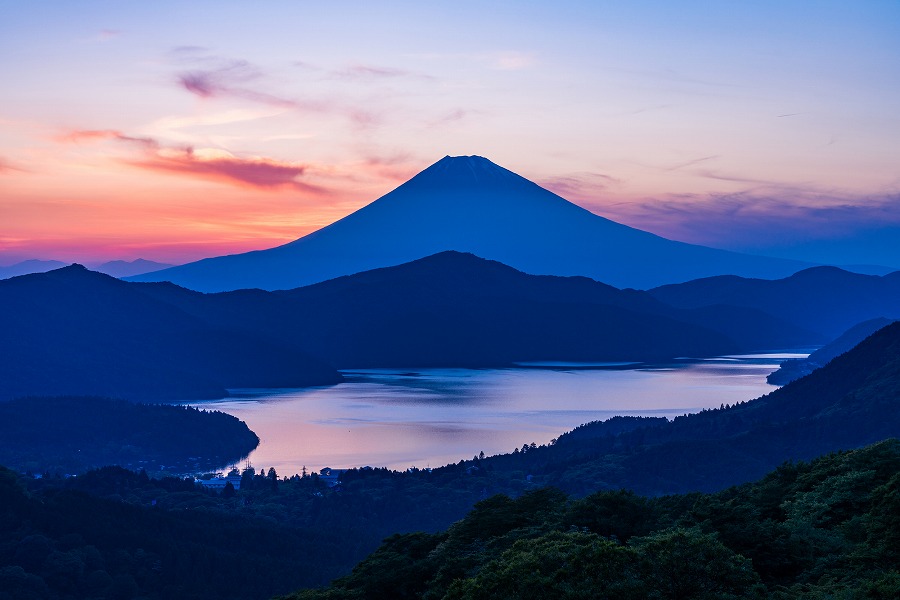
[(829, 528), (72, 434), (847, 404)]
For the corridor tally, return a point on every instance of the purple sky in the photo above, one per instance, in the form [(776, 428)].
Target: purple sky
[(174, 130)]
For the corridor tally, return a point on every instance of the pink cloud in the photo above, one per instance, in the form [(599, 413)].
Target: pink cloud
[(255, 172), (94, 135), (8, 167), (453, 116), (399, 166), (364, 119), (231, 80), (216, 77)]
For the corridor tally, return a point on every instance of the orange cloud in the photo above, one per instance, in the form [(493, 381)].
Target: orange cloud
[(93, 135), (255, 172)]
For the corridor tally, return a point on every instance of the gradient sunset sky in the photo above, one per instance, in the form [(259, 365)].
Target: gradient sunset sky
[(177, 130)]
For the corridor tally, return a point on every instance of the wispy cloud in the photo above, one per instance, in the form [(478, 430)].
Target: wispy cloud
[(213, 77), (364, 118), (511, 60), (188, 51), (692, 162), (234, 79), (254, 172), (397, 166), (755, 218), (503, 60), (454, 116), (92, 135), (105, 35), (579, 186), (211, 164), (7, 166), (375, 72)]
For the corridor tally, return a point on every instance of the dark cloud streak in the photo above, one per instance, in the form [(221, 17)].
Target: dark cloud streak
[(261, 173)]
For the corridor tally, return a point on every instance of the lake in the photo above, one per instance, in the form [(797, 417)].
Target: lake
[(431, 417)]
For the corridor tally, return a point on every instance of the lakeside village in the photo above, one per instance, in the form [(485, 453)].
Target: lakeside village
[(231, 482)]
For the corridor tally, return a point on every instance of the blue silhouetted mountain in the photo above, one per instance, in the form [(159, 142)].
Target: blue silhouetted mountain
[(116, 268), (826, 300), (800, 367), (455, 309), (74, 331), (470, 204), (122, 268), (30, 266)]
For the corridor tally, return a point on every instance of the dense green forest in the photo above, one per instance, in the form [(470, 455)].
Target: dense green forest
[(58, 542), (71, 434), (829, 528), (825, 528)]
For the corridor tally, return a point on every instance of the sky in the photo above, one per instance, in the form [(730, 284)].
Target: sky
[(174, 131)]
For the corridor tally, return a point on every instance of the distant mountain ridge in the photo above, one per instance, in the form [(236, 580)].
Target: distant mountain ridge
[(116, 268), (827, 300), (123, 268), (469, 204), (74, 331), (456, 309), (451, 309), (27, 267)]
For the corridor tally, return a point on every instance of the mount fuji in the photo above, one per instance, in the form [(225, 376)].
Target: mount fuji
[(469, 204)]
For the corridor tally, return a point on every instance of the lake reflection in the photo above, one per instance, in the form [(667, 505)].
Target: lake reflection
[(401, 418)]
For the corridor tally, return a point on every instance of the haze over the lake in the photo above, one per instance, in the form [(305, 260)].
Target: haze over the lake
[(173, 131)]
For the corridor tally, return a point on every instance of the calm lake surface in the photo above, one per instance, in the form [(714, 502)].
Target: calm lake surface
[(432, 417)]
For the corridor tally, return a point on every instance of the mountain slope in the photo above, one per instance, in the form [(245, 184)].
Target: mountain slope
[(74, 331), (469, 204), (824, 529), (797, 368), (827, 300), (455, 309)]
